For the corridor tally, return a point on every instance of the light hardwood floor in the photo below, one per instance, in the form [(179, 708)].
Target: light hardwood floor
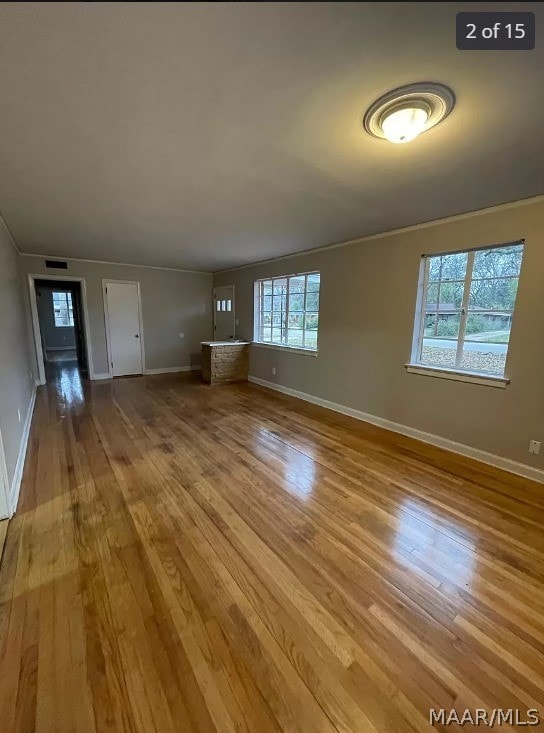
[(187, 558)]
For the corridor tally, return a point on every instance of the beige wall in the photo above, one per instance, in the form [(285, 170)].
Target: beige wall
[(368, 294), (173, 302), (16, 382)]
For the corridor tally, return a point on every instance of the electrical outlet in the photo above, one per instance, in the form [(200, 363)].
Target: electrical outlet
[(19, 414), (273, 371), (534, 446)]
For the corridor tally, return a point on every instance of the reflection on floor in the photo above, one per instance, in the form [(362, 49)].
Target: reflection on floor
[(187, 558), (64, 375), (56, 356)]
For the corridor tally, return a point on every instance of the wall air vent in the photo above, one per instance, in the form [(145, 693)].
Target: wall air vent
[(56, 264)]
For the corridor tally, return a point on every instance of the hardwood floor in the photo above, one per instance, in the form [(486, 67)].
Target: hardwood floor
[(187, 558)]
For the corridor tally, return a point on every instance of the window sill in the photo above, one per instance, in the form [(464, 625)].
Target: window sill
[(290, 349), (487, 380)]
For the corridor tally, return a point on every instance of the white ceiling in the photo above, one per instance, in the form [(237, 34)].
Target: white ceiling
[(207, 135)]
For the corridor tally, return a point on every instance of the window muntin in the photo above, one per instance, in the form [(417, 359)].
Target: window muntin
[(63, 309), (466, 310), (287, 311)]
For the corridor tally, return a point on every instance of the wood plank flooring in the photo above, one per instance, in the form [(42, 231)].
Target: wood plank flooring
[(187, 558)]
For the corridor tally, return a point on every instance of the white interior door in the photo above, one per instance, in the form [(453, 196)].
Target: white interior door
[(124, 333), (223, 310)]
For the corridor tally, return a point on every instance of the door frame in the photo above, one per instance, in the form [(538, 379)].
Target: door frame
[(218, 287), (6, 509), (40, 356), (105, 282)]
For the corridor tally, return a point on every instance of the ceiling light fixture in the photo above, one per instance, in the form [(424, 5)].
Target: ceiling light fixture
[(404, 113)]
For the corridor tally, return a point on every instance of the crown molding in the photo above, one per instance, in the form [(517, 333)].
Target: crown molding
[(108, 262), (3, 222), (391, 232)]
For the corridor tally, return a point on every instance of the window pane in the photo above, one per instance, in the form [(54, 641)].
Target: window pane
[(451, 296), (439, 352), (267, 302), (448, 267), (440, 326), (278, 302), (448, 326), (277, 335), (267, 334), (499, 262), (311, 321), (280, 286), (218, 305), (295, 337), (312, 301), (432, 297), (296, 320), (496, 294), (296, 302), (429, 325), (296, 284), (313, 282), (486, 343), (229, 305), (479, 356)]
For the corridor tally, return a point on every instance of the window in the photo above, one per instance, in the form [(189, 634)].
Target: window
[(63, 309), (287, 311), (465, 309), (224, 305)]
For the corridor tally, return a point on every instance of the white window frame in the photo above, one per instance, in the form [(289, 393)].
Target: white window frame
[(455, 372), (69, 308), (258, 313)]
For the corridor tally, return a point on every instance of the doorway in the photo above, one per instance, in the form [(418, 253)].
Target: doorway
[(223, 313), (124, 329), (59, 316)]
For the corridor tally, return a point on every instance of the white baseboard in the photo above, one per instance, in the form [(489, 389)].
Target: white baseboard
[(19, 466), (520, 469), (95, 377), (169, 370)]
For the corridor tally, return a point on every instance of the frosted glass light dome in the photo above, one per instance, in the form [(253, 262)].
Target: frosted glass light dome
[(403, 125)]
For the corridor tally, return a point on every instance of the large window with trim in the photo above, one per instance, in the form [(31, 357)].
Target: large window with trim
[(465, 308), (287, 311)]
